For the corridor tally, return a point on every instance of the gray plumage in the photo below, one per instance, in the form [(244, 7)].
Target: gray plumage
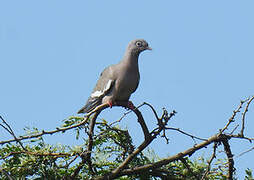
[(117, 82)]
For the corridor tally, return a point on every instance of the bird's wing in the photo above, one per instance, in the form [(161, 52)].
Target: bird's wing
[(103, 87)]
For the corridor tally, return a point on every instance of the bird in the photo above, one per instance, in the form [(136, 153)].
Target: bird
[(117, 82)]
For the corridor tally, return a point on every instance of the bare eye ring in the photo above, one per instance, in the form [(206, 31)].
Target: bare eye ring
[(139, 44)]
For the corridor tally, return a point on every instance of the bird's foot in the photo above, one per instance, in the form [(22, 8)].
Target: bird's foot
[(131, 105), (110, 104)]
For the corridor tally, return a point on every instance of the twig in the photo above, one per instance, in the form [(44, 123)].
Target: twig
[(210, 161), (164, 135), (125, 114), (10, 131), (155, 113), (251, 149), (244, 114), (71, 161), (185, 133), (234, 129), (238, 136), (232, 118), (141, 120)]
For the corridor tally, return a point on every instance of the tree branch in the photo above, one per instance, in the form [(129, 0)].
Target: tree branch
[(185, 133), (86, 155), (38, 154), (232, 118), (210, 161), (244, 114), (229, 154), (170, 159), (113, 174), (10, 131)]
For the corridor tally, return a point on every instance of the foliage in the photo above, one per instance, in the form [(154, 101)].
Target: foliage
[(111, 146), (107, 152), (249, 175)]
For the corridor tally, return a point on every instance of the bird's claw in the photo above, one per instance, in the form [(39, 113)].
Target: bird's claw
[(110, 104)]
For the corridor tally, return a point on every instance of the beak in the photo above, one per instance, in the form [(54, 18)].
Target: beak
[(149, 48)]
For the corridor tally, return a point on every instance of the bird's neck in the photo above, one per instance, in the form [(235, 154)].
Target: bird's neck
[(131, 58)]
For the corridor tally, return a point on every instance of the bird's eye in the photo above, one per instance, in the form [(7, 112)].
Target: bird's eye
[(139, 44)]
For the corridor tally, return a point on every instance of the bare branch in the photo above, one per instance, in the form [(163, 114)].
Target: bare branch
[(21, 138), (155, 113), (126, 113), (86, 156), (244, 114), (229, 154), (251, 149), (234, 129), (90, 141), (210, 161), (10, 131), (187, 134), (71, 161), (238, 136), (135, 110), (232, 118)]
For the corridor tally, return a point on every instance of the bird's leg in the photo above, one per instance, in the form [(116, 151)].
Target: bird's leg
[(130, 105)]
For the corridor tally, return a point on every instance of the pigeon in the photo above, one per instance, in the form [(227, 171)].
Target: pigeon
[(117, 82)]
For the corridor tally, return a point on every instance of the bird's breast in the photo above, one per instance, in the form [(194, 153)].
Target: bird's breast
[(126, 85)]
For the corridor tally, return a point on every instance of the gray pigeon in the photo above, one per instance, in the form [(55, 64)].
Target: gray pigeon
[(117, 82)]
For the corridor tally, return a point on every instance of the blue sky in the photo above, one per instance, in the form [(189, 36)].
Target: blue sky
[(52, 52)]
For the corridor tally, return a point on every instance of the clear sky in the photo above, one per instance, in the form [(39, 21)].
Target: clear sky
[(52, 52)]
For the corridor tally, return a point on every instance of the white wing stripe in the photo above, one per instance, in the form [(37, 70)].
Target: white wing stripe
[(108, 85), (96, 94), (100, 93)]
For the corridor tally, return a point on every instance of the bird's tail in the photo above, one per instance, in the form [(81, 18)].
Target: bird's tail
[(90, 105)]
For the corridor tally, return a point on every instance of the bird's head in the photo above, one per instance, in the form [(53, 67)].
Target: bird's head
[(138, 45)]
